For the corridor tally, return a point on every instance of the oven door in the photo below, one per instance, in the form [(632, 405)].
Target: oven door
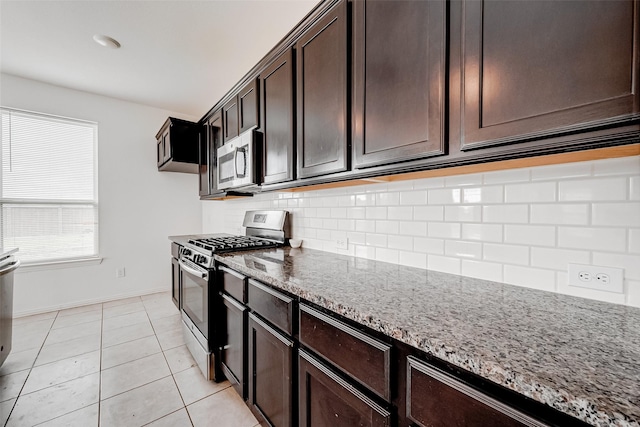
[(195, 299)]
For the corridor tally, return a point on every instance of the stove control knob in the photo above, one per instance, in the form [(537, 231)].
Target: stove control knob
[(186, 252)]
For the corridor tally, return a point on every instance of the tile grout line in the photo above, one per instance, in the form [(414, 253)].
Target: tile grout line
[(31, 368)]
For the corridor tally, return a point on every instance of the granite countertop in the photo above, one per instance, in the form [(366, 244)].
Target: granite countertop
[(579, 356)]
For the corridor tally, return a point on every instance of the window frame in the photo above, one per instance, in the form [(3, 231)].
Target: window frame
[(68, 261)]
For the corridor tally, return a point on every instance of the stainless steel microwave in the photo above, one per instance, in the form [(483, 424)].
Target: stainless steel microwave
[(238, 162)]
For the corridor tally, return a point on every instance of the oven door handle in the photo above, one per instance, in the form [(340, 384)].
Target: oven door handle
[(196, 272)]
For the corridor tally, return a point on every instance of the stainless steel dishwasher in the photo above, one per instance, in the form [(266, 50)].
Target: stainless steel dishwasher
[(7, 266)]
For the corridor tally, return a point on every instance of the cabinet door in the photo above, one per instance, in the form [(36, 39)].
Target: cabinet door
[(160, 152), (166, 144), (248, 106), (233, 356), (230, 119), (276, 85), (175, 283), (322, 120), (535, 69), (435, 399), (326, 400), (398, 80), (270, 373), (215, 142), (203, 160)]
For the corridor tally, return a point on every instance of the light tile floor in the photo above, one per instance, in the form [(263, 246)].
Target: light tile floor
[(121, 363)]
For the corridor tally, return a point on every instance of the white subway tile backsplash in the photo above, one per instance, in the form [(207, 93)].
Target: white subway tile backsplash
[(603, 239), (616, 214), (413, 228), (520, 226), (535, 235), (461, 180), (365, 225), (413, 197), (630, 263), (356, 213), (444, 230), (482, 270), (482, 232), (387, 227), (347, 224), (560, 213), (463, 249), (387, 255), (508, 254), (620, 166), (378, 240), (634, 188), (597, 189), (634, 241), (530, 277), (330, 224), (338, 212), (557, 259), (492, 194), (428, 213), (633, 293), (563, 171), (444, 264), (412, 259), (445, 196), (505, 213), (463, 213), (376, 212), (530, 193), (400, 212), (387, 199), (419, 184), (429, 246), (507, 176), (404, 243)]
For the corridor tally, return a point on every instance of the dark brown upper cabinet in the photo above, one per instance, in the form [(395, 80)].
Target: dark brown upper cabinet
[(177, 146), (242, 111), (248, 106), (278, 125), (322, 83), (531, 70), (210, 140), (399, 60)]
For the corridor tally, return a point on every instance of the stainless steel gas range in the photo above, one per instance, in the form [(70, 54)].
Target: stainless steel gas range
[(200, 303)]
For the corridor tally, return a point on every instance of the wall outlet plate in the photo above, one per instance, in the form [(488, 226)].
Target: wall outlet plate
[(608, 279), (342, 243), (120, 272)]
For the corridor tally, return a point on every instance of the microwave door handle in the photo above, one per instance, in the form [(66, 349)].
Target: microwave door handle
[(240, 151)]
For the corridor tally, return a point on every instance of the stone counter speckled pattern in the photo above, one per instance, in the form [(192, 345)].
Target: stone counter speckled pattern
[(579, 356)]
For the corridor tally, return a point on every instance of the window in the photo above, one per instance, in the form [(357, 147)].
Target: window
[(48, 187)]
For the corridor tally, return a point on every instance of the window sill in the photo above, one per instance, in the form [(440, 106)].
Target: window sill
[(54, 265)]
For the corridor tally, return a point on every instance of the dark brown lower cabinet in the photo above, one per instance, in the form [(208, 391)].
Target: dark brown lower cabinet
[(233, 355), (175, 282), (327, 400), (271, 373), (435, 399)]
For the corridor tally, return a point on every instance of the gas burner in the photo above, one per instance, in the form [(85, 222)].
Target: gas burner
[(231, 243)]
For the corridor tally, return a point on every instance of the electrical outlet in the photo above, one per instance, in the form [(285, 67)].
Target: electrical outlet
[(596, 277), (120, 273), (342, 243)]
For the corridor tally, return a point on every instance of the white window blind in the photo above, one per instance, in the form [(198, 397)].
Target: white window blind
[(48, 188)]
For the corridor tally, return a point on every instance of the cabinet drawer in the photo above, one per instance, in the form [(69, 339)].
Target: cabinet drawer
[(272, 305), (234, 283), (365, 359), (436, 399)]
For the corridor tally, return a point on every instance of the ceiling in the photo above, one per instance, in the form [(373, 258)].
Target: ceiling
[(182, 56)]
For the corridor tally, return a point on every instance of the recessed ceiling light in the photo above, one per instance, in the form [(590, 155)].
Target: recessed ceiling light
[(106, 41)]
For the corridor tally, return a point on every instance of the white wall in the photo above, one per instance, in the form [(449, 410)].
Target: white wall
[(518, 226), (138, 206)]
